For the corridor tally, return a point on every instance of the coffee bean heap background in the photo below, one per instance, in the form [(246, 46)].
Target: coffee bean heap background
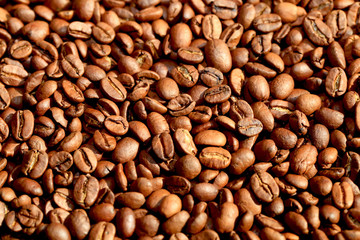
[(179, 119)]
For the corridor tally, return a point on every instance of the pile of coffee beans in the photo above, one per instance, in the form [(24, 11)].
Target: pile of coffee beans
[(180, 119)]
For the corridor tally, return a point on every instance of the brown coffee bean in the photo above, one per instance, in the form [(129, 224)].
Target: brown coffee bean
[(321, 185), (336, 82), (211, 27), (78, 223), (190, 55), (215, 50), (296, 222), (181, 36), (342, 195), (264, 186), (22, 125), (333, 122), (308, 103), (185, 75), (318, 32), (85, 160), (215, 157), (284, 138), (210, 137), (200, 114), (188, 166), (103, 229), (205, 191), (126, 150), (34, 163), (104, 141), (211, 76), (21, 49), (217, 94), (28, 186), (79, 30), (71, 142), (163, 146), (157, 123), (249, 126), (86, 190), (303, 158), (116, 125), (167, 88), (113, 89), (181, 105), (262, 113), (103, 33), (61, 161), (352, 218), (336, 55), (267, 22), (57, 231), (125, 222), (241, 160)]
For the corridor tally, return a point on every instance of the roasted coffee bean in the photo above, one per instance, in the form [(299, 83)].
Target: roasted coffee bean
[(190, 55), (86, 190), (249, 126), (211, 27), (185, 75), (342, 195), (72, 92), (21, 49), (112, 88), (336, 82), (217, 94), (267, 22), (28, 186), (318, 32), (264, 186), (34, 163), (215, 157), (73, 66), (217, 55), (85, 160), (181, 105), (22, 125)]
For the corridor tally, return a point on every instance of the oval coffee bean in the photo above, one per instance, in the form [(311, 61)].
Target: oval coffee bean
[(249, 126), (215, 157)]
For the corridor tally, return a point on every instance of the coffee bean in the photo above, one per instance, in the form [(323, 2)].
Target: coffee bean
[(21, 49), (79, 30), (85, 160), (34, 163), (28, 186), (22, 125), (336, 82), (267, 22), (215, 50), (264, 186), (113, 89), (342, 195), (318, 32), (86, 190), (215, 157), (249, 126)]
